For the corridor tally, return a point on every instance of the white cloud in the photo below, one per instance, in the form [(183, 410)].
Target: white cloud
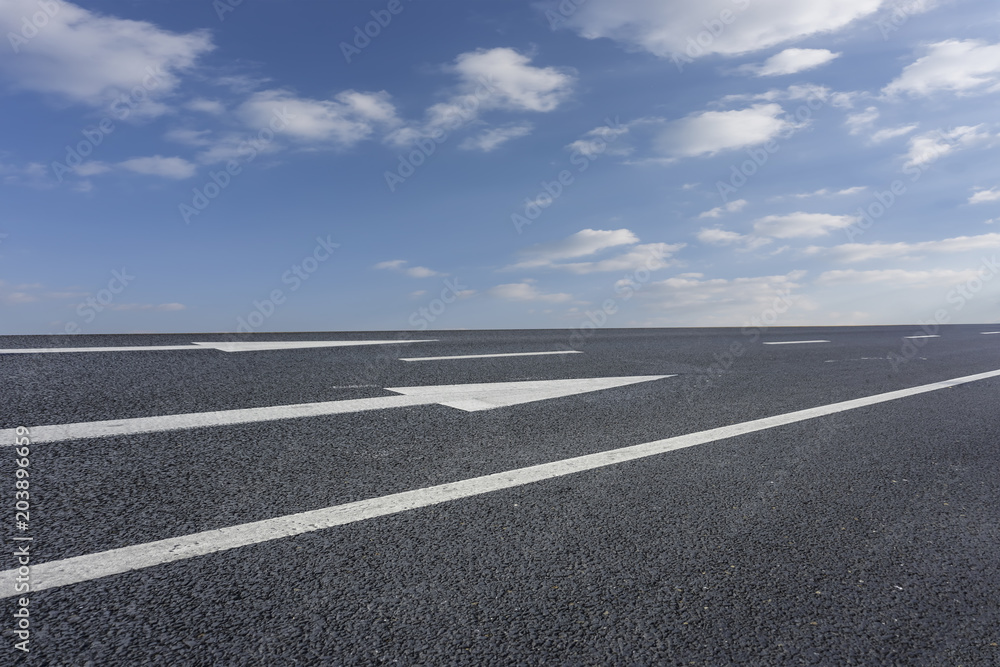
[(588, 242), (525, 291), (650, 256), (718, 211), (981, 196), (157, 165), (956, 66), (827, 192), (597, 141), (512, 82), (850, 253), (94, 59), (928, 147), (897, 277), (791, 61), (668, 27), (189, 137), (724, 237), (350, 117), (163, 307), (499, 78), (213, 107), (709, 132), (892, 132), (799, 224), (858, 122), (91, 168), (584, 242), (692, 299), (492, 138), (412, 271)]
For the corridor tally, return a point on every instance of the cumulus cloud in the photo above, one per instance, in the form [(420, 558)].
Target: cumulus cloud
[(157, 165), (850, 253), (94, 59), (692, 299), (526, 291), (412, 271), (800, 224), (897, 277), (490, 79), (718, 211), (955, 66), (710, 132), (723, 237), (982, 196), (791, 61), (512, 81), (345, 120), (589, 242), (668, 28), (492, 138), (930, 146)]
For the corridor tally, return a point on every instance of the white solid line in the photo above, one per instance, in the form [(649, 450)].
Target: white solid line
[(218, 345), (484, 356), (117, 561), (139, 348), (794, 342), (468, 397), (924, 336)]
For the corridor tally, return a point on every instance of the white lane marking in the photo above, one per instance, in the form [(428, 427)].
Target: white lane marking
[(794, 342), (222, 346), (295, 344), (141, 348), (924, 336), (484, 356), (989, 332), (117, 561), (468, 397)]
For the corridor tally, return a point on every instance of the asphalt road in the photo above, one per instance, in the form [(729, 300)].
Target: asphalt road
[(869, 536)]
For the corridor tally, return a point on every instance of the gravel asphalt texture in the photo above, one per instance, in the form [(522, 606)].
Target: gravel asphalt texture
[(868, 537)]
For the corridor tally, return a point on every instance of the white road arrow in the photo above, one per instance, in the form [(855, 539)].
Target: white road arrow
[(468, 397), (215, 345)]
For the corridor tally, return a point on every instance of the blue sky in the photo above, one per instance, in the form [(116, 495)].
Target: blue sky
[(269, 166)]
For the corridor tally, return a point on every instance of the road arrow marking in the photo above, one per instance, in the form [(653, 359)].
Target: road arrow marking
[(468, 397), (217, 345), (53, 574), (485, 356)]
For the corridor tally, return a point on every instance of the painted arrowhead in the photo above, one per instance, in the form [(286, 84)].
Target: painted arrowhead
[(475, 397)]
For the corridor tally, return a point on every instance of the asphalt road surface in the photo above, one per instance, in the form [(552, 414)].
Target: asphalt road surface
[(659, 517)]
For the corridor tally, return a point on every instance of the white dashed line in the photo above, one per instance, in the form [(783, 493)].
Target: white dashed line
[(924, 336), (485, 356), (222, 346), (989, 332), (794, 342), (74, 570)]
